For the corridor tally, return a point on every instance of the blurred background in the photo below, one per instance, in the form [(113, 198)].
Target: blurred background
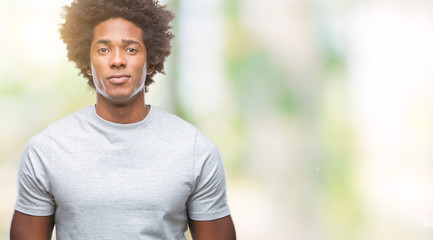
[(322, 109)]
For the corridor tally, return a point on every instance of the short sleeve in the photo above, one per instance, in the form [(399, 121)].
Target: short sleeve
[(208, 200), (34, 196)]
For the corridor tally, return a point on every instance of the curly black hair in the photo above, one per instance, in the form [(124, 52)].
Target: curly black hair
[(82, 16)]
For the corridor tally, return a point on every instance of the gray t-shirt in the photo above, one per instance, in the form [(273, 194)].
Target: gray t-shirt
[(104, 180)]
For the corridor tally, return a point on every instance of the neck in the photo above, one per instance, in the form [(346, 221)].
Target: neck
[(129, 112)]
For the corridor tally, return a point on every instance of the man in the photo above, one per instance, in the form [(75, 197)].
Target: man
[(120, 169)]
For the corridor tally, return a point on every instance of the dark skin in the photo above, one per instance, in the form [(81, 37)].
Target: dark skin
[(118, 50), (222, 228), (41, 228), (31, 227)]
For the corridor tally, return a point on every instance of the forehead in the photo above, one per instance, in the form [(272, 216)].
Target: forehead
[(115, 29)]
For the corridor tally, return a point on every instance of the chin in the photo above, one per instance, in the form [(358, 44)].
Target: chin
[(122, 98)]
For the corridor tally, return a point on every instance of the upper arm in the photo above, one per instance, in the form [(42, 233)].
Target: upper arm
[(208, 211), (208, 199), (25, 226), (35, 195), (219, 229)]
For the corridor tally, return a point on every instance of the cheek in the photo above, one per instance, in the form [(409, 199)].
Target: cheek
[(143, 71), (97, 66), (95, 76)]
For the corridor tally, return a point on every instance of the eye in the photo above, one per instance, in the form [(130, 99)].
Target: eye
[(131, 50), (103, 50)]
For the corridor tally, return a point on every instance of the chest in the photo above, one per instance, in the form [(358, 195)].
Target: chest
[(115, 177)]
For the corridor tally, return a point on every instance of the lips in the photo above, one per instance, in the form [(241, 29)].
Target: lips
[(118, 78)]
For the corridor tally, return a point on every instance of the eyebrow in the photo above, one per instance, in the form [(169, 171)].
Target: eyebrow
[(126, 41)]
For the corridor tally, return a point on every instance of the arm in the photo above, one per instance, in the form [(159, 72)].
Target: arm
[(220, 229), (25, 226), (35, 206)]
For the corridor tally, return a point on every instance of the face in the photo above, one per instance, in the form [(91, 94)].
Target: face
[(118, 60)]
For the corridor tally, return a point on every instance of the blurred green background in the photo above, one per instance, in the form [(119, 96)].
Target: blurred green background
[(322, 109)]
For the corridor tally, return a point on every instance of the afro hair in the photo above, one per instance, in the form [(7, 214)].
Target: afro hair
[(82, 16)]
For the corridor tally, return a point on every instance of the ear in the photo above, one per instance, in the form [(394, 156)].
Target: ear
[(150, 69), (89, 71)]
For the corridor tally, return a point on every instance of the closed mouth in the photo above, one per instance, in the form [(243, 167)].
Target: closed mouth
[(118, 78)]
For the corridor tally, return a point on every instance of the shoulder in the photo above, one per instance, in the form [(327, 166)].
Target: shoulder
[(40, 141), (175, 127), (204, 145), (71, 120), (172, 123), (69, 123)]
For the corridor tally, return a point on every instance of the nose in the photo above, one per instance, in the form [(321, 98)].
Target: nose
[(117, 59)]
